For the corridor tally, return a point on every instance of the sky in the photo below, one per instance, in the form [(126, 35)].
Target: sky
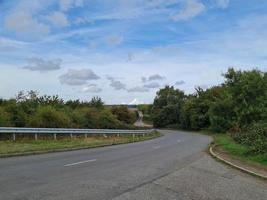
[(125, 50)]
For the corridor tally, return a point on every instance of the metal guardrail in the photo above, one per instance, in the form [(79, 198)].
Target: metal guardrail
[(70, 131)]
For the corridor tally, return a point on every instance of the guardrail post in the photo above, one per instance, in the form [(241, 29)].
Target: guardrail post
[(85, 135), (118, 135), (55, 136), (36, 136), (14, 136), (71, 136), (133, 136)]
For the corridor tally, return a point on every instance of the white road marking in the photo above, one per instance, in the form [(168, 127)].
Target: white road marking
[(81, 162), (157, 147), (178, 141)]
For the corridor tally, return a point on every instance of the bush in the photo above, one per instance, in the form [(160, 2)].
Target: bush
[(49, 117), (123, 114), (255, 137), (5, 118), (85, 117), (221, 115), (107, 120)]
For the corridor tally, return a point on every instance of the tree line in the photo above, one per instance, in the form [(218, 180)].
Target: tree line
[(237, 106), (28, 109)]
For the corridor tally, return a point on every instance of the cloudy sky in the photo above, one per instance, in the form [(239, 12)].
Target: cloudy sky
[(124, 50)]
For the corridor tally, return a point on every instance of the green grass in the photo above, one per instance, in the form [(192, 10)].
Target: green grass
[(227, 144), (32, 146)]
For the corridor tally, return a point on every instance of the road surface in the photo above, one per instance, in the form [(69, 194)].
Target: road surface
[(139, 122), (174, 166)]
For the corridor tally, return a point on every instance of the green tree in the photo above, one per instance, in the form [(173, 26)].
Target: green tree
[(49, 117), (167, 106), (123, 114), (5, 118), (248, 93), (96, 102)]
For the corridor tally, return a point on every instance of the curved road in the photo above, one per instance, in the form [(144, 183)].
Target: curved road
[(174, 166)]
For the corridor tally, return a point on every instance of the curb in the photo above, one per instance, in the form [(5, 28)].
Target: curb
[(234, 165)]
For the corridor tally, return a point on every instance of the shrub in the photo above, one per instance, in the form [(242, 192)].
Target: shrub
[(85, 117), (255, 137), (5, 118), (123, 114), (49, 117), (107, 120)]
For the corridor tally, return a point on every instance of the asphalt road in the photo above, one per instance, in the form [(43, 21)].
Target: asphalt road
[(174, 166)]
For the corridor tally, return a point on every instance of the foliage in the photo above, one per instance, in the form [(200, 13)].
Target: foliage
[(5, 118), (123, 114), (96, 102), (248, 93), (234, 106), (49, 117), (255, 137), (167, 106), (108, 120), (31, 109), (243, 152), (146, 109)]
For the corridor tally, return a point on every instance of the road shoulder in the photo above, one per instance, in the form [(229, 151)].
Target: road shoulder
[(203, 179), (251, 168)]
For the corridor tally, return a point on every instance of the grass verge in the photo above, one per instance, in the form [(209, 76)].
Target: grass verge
[(26, 146), (228, 145)]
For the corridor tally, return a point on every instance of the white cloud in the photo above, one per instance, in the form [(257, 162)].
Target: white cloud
[(91, 88), (7, 45), (155, 77), (65, 5), (179, 83), (58, 19), (41, 65), (138, 89), (114, 40), (223, 3), (79, 3), (144, 79), (191, 9), (152, 85), (23, 23), (78, 77), (117, 85)]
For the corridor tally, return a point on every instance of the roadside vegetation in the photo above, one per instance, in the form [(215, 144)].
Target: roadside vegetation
[(146, 110), (28, 109), (240, 151), (237, 109), (48, 145)]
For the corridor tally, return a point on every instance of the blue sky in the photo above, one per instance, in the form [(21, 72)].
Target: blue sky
[(125, 50)]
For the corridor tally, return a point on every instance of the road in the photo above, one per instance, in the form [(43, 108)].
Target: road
[(174, 166), (139, 122)]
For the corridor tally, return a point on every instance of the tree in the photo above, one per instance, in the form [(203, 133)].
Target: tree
[(123, 114), (167, 106), (49, 117), (248, 93), (5, 118), (96, 102)]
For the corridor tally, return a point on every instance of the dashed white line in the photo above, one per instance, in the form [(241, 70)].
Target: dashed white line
[(81, 162), (157, 147), (178, 141)]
